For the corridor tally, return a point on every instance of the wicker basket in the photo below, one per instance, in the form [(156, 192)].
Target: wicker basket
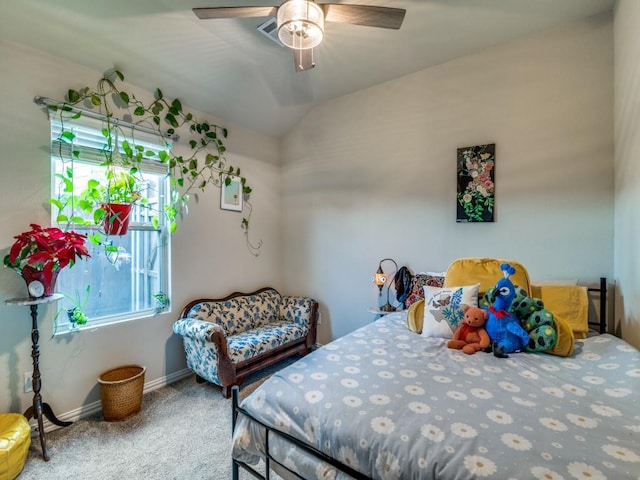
[(121, 392)]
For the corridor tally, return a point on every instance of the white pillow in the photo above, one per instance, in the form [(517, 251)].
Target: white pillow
[(443, 309)]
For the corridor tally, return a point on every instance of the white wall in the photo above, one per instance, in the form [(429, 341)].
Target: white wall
[(365, 176), (209, 255), (373, 174), (627, 167)]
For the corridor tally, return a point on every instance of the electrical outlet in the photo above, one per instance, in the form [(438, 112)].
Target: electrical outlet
[(319, 318), (28, 382)]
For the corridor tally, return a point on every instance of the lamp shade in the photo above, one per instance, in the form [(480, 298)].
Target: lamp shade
[(300, 24), (380, 279)]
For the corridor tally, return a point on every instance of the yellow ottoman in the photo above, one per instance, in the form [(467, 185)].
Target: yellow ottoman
[(15, 438)]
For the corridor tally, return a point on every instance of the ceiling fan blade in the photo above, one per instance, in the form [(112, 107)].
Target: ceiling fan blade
[(303, 59), (367, 15), (234, 12)]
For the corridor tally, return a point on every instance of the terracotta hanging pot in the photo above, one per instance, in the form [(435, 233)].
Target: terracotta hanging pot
[(116, 218), (30, 274)]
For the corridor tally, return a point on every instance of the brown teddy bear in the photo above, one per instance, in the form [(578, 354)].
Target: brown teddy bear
[(470, 336)]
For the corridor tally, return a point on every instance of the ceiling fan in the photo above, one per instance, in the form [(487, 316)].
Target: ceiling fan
[(301, 22)]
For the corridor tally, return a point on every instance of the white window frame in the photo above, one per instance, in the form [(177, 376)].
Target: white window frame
[(90, 142)]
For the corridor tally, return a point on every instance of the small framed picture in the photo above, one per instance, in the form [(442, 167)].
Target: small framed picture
[(231, 193)]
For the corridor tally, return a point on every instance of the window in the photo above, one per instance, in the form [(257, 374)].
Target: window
[(122, 281)]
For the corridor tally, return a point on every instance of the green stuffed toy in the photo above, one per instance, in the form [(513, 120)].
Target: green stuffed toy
[(534, 318)]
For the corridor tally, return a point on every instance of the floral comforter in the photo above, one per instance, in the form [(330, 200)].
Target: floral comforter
[(395, 405)]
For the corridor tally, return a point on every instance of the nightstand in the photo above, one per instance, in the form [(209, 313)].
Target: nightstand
[(381, 313)]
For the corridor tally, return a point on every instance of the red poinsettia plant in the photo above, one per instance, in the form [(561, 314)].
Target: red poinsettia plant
[(48, 250)]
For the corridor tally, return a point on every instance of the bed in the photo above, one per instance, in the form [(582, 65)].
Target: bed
[(386, 403)]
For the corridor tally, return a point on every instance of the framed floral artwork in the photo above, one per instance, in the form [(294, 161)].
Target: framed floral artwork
[(476, 186), (231, 193)]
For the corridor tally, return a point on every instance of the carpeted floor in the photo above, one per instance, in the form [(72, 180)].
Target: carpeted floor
[(182, 432)]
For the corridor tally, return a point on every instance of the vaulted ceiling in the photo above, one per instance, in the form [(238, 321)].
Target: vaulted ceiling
[(232, 71)]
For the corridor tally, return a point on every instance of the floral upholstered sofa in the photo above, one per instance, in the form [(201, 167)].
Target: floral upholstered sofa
[(227, 339)]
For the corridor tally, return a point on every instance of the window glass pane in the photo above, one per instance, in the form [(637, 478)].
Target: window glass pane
[(121, 282), (152, 188)]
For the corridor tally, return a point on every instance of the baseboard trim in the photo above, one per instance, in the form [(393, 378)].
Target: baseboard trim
[(95, 407)]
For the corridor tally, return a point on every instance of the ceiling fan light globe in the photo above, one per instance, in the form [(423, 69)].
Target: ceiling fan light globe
[(300, 24)]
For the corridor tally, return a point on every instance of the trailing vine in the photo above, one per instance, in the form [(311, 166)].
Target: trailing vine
[(205, 164)]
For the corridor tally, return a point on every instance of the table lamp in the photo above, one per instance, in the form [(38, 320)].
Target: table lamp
[(380, 278)]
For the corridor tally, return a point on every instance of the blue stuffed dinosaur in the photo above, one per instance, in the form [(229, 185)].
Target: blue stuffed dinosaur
[(504, 329)]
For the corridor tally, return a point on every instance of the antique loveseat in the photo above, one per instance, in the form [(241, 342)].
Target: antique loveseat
[(227, 339)]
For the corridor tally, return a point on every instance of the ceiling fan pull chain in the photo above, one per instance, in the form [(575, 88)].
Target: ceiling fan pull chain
[(299, 57)]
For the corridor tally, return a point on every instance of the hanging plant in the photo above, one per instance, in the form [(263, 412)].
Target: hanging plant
[(204, 166)]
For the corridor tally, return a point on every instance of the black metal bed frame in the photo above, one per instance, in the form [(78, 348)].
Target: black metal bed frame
[(268, 458), (602, 289), (237, 410)]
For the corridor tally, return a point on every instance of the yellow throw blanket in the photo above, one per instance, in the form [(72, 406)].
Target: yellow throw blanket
[(568, 302)]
